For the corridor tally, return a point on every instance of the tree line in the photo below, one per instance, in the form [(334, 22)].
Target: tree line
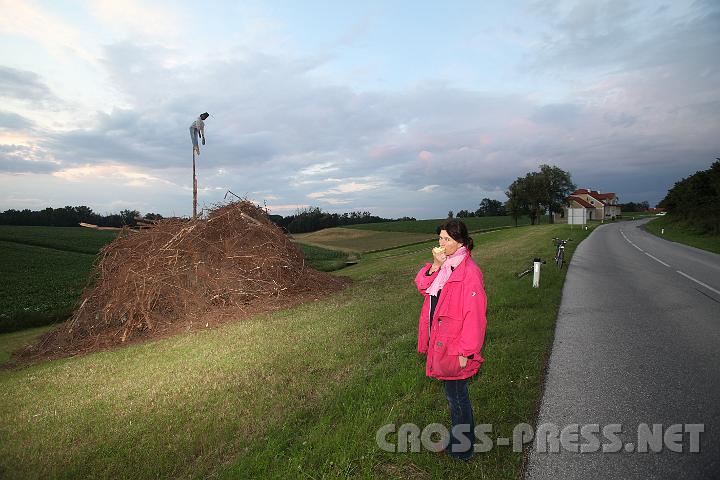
[(312, 219), (488, 208), (634, 206), (694, 200), (71, 217)]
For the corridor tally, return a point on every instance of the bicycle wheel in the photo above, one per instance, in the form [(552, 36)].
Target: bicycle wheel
[(561, 258)]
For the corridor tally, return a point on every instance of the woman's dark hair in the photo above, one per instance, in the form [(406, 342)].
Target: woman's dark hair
[(457, 230), (204, 115)]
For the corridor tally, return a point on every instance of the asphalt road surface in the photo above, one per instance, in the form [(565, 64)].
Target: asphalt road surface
[(637, 343)]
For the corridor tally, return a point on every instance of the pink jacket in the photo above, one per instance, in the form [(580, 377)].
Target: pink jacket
[(459, 322)]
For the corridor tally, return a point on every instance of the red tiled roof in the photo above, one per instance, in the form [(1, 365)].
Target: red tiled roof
[(594, 193), (579, 200)]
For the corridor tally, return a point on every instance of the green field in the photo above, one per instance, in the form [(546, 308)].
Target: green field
[(323, 259), (299, 393), (678, 232), (40, 285), (70, 239), (428, 226), (357, 241)]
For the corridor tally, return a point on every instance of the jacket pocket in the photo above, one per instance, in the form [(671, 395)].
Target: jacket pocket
[(444, 365)]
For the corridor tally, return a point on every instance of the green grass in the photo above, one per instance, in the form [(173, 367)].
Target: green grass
[(11, 342), (677, 231), (358, 241), (428, 226), (71, 239), (40, 285), (295, 394), (635, 215)]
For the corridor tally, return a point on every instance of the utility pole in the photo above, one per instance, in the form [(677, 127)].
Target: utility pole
[(194, 189)]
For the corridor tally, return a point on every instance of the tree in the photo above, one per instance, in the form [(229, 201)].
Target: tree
[(490, 208), (517, 204), (539, 192), (128, 217), (450, 214), (557, 185), (693, 200)]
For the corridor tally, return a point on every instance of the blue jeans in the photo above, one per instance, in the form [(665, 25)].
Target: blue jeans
[(193, 135), (462, 434)]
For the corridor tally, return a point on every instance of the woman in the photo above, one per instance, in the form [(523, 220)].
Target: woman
[(452, 326)]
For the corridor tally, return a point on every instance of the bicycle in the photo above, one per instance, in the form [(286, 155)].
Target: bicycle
[(560, 252), (531, 269)]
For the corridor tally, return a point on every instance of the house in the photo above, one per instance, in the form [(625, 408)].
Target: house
[(584, 204)]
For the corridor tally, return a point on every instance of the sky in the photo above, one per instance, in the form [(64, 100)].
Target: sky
[(400, 108)]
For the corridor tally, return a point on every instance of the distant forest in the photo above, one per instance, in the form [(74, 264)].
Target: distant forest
[(307, 220), (71, 217), (313, 218)]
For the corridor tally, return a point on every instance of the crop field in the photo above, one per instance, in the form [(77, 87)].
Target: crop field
[(298, 393), (45, 269), (40, 285), (428, 226), (71, 239), (356, 240), (323, 259)]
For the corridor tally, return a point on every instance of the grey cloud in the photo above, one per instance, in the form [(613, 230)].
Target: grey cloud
[(557, 114), (607, 35), (13, 121), (272, 119), (620, 119), (23, 85), (23, 159)]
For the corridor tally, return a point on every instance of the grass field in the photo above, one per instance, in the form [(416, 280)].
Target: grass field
[(357, 241), (295, 394), (678, 232), (428, 226)]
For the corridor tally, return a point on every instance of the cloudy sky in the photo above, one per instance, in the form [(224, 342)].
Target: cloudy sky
[(396, 107)]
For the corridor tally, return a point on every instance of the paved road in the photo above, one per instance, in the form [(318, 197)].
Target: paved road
[(637, 342)]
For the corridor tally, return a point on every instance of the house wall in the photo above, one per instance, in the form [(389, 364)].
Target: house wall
[(602, 211)]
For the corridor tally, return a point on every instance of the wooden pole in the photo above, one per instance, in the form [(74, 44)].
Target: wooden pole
[(194, 189)]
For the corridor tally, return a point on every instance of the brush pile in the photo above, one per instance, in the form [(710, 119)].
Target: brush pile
[(164, 278)]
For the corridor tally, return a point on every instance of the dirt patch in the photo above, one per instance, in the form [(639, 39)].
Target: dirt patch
[(182, 275)]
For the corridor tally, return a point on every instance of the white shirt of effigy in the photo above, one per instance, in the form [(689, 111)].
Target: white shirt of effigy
[(199, 124)]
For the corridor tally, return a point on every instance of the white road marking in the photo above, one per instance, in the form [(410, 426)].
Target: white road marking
[(678, 271), (698, 282), (657, 259), (630, 242)]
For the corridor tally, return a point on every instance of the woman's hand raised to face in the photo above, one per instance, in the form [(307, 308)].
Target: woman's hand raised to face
[(439, 257)]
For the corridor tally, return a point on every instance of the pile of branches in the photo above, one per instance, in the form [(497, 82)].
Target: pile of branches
[(147, 282)]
